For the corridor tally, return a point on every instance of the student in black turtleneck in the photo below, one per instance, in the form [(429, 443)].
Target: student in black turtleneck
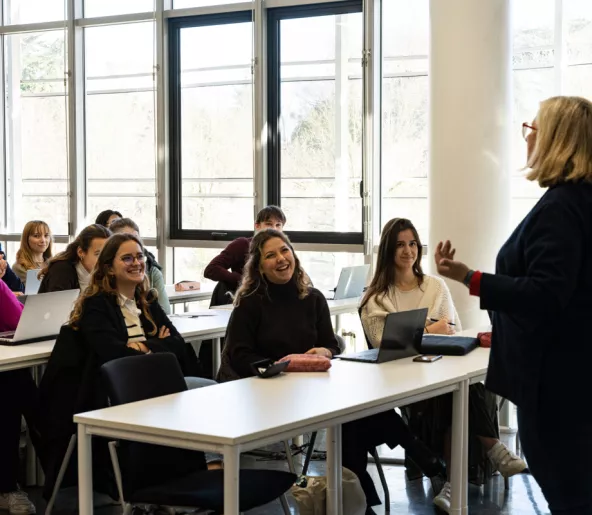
[(278, 312)]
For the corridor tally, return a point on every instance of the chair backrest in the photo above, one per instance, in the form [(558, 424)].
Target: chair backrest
[(368, 344), (136, 378), (221, 295), (340, 343)]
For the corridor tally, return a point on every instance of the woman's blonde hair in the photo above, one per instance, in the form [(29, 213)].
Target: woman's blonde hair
[(253, 279), (563, 148), (103, 281), (24, 255)]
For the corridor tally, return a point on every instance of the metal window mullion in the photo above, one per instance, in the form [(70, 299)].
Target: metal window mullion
[(76, 113), (3, 168), (560, 47), (165, 254), (372, 114), (260, 168)]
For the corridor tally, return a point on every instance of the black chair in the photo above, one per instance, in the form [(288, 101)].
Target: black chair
[(165, 476)]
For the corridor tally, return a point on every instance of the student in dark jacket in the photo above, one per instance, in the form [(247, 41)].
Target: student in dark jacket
[(10, 278), (540, 299), (70, 269), (228, 266), (278, 312)]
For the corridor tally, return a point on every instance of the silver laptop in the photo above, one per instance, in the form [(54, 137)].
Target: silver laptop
[(42, 317), (33, 282), (401, 338), (352, 282)]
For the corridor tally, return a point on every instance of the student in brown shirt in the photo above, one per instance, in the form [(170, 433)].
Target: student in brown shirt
[(228, 266)]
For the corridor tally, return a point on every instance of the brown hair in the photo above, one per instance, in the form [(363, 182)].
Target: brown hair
[(103, 281), (24, 255), (563, 148), (82, 241), (253, 279), (269, 213), (385, 274), (121, 223)]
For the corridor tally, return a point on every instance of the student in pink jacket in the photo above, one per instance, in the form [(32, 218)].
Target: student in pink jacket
[(18, 395)]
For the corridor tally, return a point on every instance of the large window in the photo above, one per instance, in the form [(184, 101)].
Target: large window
[(35, 130), (315, 120), (18, 12), (212, 126), (120, 130)]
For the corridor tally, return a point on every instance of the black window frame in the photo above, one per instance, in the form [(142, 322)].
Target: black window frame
[(175, 25), (274, 17)]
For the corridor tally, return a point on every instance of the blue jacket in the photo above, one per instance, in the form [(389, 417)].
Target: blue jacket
[(12, 280)]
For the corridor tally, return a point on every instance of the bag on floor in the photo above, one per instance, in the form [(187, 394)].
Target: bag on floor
[(312, 498)]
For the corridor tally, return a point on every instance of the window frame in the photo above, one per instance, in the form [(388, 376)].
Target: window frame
[(175, 25), (274, 17)]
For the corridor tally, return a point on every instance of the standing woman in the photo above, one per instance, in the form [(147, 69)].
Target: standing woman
[(540, 299), (35, 250)]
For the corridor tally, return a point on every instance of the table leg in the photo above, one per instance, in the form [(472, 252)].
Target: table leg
[(85, 488), (337, 323), (216, 355), (231, 480), (465, 458), (460, 422), (31, 454), (186, 307), (334, 477)]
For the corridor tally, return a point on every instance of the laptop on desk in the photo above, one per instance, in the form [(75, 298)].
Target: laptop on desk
[(33, 282), (401, 338), (42, 317), (352, 282)]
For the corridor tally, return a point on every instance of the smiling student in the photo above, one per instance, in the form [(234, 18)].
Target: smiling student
[(35, 250)]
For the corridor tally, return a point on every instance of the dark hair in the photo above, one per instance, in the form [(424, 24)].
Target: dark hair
[(385, 274), (104, 216), (269, 213), (122, 223), (103, 281), (83, 241), (253, 279)]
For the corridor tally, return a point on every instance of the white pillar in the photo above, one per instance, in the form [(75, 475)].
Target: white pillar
[(470, 123)]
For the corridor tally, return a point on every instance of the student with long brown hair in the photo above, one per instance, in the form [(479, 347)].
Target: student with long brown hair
[(35, 250), (70, 269)]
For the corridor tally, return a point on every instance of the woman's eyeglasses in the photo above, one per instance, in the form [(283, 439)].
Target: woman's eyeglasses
[(527, 129), (129, 259)]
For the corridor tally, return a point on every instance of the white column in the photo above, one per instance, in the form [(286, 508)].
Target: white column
[(470, 122)]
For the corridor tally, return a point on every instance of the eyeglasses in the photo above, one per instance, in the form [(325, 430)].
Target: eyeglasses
[(527, 129), (129, 260)]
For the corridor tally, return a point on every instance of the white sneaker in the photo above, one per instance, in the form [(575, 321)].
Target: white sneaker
[(17, 503), (442, 500), (505, 461)]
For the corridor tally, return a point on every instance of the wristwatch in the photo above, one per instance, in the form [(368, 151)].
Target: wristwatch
[(468, 277)]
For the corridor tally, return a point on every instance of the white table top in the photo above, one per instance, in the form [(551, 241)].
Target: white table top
[(176, 297), (202, 327), (23, 356), (250, 409)]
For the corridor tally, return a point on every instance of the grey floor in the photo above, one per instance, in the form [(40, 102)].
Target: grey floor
[(411, 497)]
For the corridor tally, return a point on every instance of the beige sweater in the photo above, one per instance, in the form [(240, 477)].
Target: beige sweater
[(435, 297)]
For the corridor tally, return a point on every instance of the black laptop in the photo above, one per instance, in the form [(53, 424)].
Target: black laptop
[(401, 338)]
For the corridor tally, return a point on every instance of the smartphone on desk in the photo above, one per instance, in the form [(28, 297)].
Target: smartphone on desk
[(427, 358)]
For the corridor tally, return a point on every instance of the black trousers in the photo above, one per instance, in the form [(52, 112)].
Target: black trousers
[(18, 396), (559, 457)]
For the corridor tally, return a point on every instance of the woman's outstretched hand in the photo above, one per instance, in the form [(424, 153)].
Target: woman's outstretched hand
[(446, 265)]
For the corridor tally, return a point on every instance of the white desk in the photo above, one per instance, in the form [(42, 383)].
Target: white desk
[(25, 356), (184, 297), (258, 412)]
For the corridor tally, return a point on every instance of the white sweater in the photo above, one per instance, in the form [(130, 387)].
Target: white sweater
[(435, 297)]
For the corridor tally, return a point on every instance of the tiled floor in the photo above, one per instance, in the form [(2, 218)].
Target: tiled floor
[(413, 497)]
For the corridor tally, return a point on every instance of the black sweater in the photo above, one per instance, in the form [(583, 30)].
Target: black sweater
[(60, 276), (274, 324)]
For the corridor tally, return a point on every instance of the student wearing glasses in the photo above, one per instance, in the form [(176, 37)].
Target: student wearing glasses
[(119, 315)]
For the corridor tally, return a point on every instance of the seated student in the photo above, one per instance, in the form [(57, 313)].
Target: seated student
[(278, 312), (35, 251), (118, 314), (18, 397), (10, 278), (107, 217), (153, 269), (227, 267), (70, 269), (399, 284)]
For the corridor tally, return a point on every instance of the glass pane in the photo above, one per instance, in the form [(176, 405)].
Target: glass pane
[(579, 80), (180, 4), (191, 262), (578, 16), (120, 129), (17, 12), (321, 123), (324, 267), (36, 134), (111, 7), (533, 22), (217, 127)]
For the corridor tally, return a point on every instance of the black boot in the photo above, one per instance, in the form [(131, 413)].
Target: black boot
[(429, 463)]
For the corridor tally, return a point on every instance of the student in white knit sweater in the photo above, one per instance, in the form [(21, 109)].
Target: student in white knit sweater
[(399, 284)]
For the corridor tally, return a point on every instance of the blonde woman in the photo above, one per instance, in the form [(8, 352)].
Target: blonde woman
[(35, 250), (540, 300)]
